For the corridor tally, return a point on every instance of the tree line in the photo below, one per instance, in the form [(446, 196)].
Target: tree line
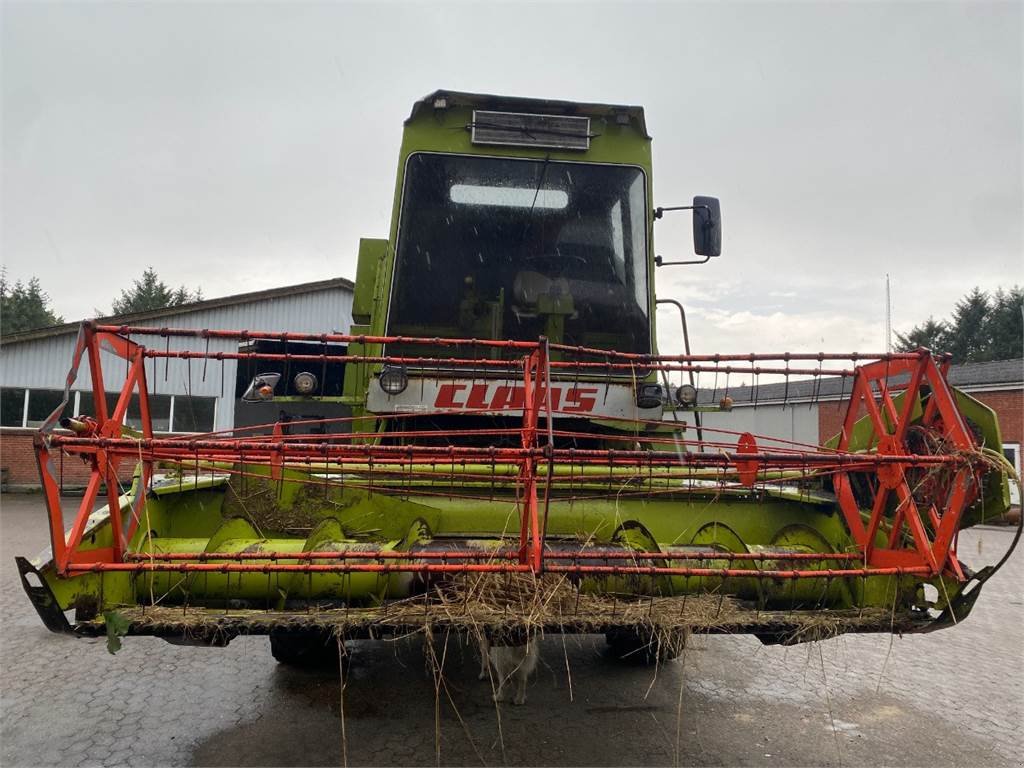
[(981, 327), (25, 306)]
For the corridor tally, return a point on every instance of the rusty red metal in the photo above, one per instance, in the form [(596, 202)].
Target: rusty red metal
[(156, 449), (912, 545), (873, 391)]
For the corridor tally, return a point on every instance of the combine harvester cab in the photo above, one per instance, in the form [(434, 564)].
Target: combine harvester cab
[(518, 457)]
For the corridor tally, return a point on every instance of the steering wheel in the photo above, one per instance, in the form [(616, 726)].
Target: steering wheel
[(556, 265)]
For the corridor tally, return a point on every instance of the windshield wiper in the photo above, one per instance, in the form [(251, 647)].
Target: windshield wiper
[(533, 205)]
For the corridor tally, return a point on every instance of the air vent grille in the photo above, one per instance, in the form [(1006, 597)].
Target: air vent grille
[(526, 130)]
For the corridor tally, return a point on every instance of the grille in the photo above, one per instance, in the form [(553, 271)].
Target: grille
[(525, 130)]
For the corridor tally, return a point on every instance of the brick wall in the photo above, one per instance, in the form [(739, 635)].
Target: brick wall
[(18, 458), (830, 418), (1008, 405)]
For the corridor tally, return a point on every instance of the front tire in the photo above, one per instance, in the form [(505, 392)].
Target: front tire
[(306, 650)]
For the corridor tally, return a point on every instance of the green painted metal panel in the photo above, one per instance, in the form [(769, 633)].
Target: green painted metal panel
[(372, 253)]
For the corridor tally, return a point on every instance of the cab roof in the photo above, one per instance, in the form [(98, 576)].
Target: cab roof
[(521, 104)]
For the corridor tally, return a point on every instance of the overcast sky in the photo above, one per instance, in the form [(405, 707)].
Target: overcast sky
[(236, 147)]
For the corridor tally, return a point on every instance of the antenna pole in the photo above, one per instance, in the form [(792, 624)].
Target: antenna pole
[(888, 316)]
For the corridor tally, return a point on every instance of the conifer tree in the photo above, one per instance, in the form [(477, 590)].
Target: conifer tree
[(24, 306), (150, 292)]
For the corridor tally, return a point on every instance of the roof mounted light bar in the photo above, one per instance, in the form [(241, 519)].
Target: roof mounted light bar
[(520, 129)]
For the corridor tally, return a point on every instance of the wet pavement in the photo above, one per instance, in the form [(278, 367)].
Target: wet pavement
[(945, 699)]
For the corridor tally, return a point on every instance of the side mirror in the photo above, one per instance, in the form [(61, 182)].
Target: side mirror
[(707, 229), (707, 226)]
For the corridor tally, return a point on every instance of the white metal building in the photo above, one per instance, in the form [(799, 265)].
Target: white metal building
[(189, 397)]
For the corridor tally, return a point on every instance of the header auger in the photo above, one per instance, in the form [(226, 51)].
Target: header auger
[(514, 453)]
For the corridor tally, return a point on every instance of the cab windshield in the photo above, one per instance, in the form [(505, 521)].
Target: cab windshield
[(495, 248)]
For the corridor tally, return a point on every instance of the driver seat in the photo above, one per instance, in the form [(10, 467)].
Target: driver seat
[(529, 286)]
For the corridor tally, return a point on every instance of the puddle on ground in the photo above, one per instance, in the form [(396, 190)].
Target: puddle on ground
[(616, 715)]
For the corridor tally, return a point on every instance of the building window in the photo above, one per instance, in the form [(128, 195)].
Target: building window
[(12, 407), (159, 413), (1012, 453), (169, 413), (159, 410), (41, 403), (84, 404), (194, 414)]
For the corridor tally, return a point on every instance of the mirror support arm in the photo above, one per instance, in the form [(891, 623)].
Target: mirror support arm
[(659, 262), (658, 213)]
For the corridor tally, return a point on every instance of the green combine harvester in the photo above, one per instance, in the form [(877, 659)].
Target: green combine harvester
[(509, 453)]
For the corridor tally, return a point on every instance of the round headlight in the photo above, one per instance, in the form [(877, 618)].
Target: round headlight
[(686, 394), (304, 383), (394, 380)]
